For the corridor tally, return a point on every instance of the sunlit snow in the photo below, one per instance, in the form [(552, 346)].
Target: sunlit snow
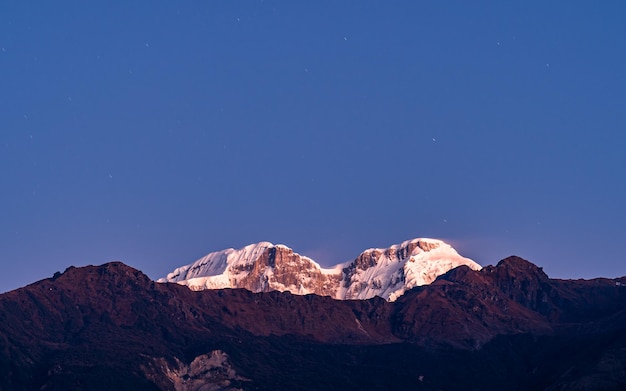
[(385, 272)]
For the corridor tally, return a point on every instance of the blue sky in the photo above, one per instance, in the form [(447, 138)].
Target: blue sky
[(156, 132)]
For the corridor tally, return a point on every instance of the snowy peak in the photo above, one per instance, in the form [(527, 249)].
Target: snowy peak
[(389, 272), (216, 263), (263, 266), (257, 267)]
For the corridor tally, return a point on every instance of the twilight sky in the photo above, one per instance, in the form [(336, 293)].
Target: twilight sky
[(156, 132)]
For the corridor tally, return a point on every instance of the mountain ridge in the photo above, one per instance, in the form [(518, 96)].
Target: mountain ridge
[(261, 267), (507, 326)]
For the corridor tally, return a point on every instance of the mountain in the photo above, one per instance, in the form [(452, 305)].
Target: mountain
[(265, 267), (507, 326)]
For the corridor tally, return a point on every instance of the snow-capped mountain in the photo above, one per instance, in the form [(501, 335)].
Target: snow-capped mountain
[(263, 267)]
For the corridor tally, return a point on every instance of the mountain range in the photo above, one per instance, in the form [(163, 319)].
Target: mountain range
[(507, 326), (263, 267)]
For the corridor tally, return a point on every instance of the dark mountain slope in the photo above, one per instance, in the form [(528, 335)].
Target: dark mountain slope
[(509, 326)]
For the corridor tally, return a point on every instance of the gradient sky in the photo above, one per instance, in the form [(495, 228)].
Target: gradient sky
[(156, 132)]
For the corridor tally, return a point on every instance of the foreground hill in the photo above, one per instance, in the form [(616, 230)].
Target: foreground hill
[(264, 267), (504, 327)]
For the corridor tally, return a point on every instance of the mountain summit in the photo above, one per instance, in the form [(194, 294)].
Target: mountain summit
[(262, 267)]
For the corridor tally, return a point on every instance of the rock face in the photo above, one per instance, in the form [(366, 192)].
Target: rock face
[(507, 326), (264, 267), (207, 372)]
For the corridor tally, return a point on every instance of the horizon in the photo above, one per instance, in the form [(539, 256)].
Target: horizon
[(322, 265)]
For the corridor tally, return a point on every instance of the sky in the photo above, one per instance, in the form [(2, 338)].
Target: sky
[(156, 132)]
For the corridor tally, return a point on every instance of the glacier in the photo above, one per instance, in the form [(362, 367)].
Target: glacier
[(264, 266)]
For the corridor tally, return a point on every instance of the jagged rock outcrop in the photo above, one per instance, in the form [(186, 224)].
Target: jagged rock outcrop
[(207, 372), (264, 267)]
